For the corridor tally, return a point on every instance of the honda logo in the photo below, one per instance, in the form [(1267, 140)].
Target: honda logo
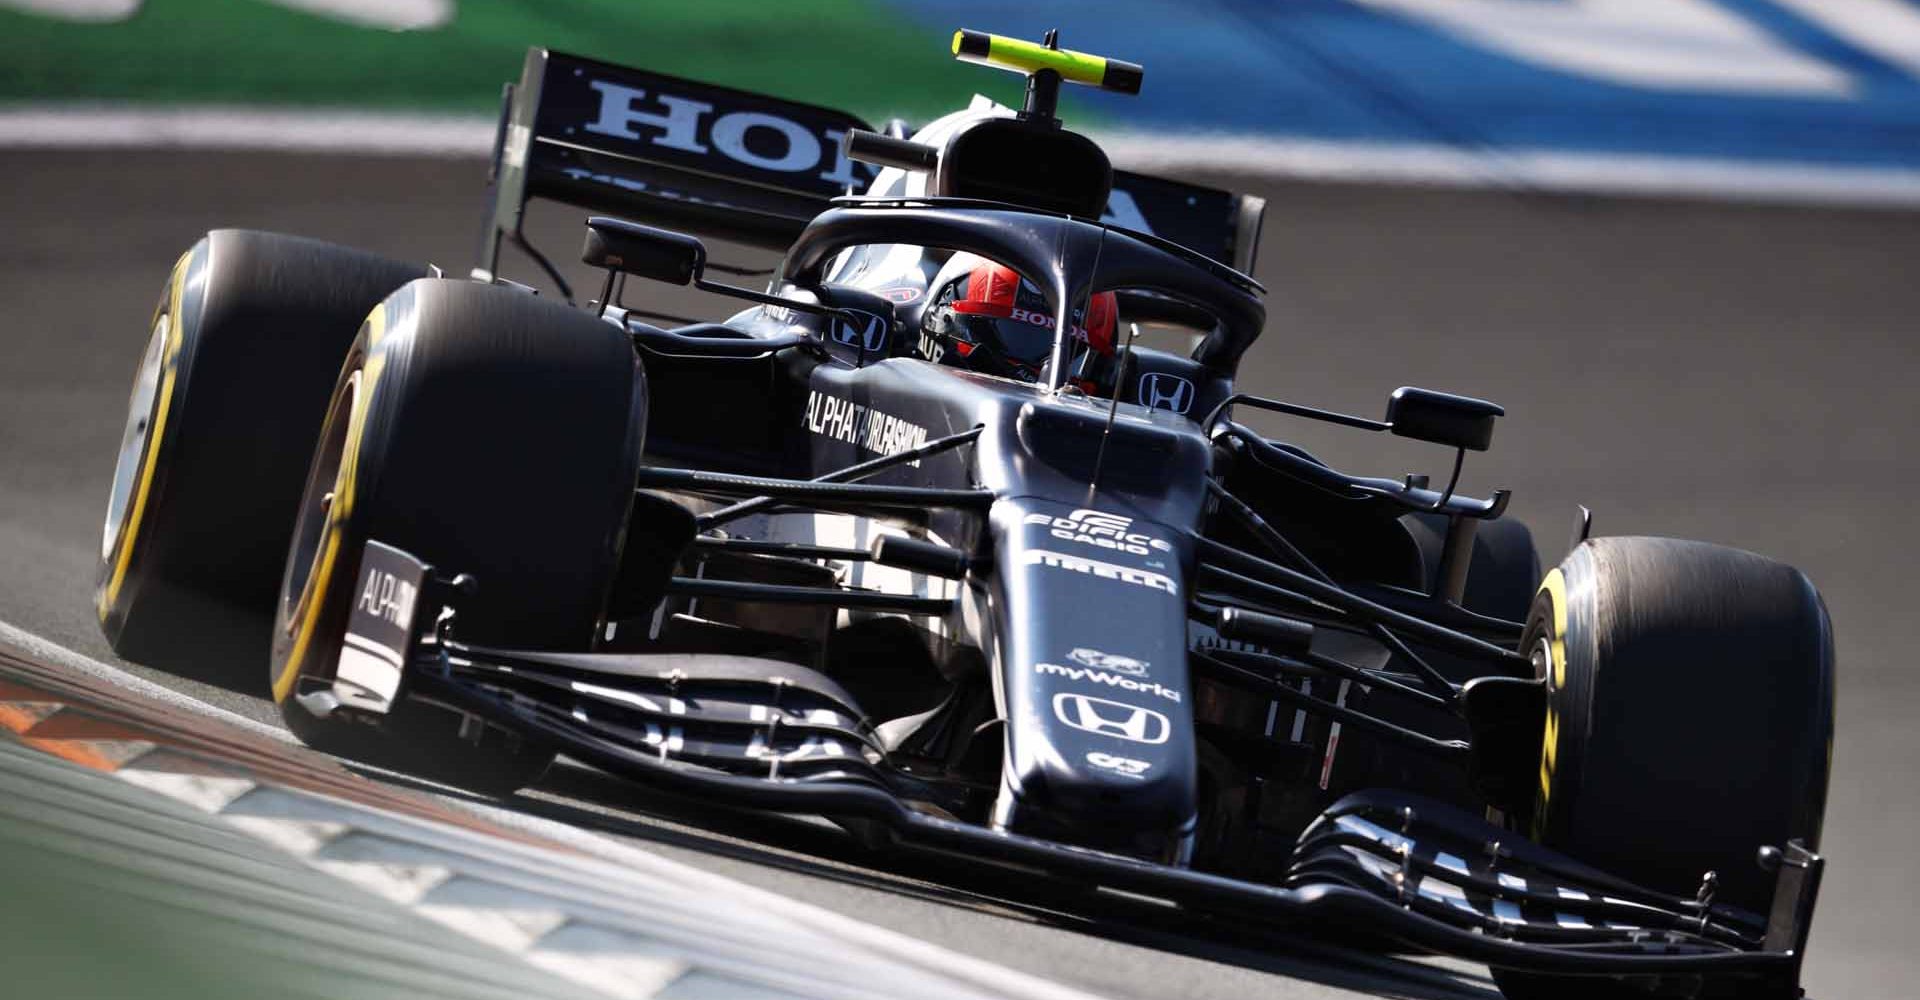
[(870, 335), (1111, 718), (1161, 391), (749, 136)]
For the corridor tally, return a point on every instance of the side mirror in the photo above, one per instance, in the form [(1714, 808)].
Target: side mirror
[(622, 247), (1442, 418), (643, 251)]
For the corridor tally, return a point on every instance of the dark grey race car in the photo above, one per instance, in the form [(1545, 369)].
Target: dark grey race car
[(922, 543)]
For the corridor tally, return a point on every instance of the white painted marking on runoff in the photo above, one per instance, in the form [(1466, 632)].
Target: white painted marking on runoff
[(1660, 44), (393, 15), (91, 11), (205, 792), (1521, 169), (370, 134), (356, 133), (1889, 29), (604, 915)]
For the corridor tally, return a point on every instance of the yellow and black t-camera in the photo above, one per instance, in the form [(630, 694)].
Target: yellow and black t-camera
[(1021, 56)]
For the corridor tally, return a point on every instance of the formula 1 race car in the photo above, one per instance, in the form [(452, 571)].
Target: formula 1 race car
[(924, 541)]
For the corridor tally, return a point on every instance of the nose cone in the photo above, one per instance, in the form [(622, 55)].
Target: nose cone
[(1094, 672)]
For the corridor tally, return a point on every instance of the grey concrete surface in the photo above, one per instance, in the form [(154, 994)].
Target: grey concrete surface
[(1737, 374)]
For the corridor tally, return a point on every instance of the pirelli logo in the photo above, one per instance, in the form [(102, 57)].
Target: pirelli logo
[(1106, 570)]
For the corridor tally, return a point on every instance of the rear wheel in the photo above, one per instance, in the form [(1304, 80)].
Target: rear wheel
[(1690, 719), (226, 403), (487, 432)]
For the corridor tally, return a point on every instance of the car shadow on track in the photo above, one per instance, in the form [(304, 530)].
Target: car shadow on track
[(592, 800), (229, 648)]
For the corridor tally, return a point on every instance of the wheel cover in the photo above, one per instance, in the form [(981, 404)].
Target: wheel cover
[(324, 509), (135, 470), (134, 440)]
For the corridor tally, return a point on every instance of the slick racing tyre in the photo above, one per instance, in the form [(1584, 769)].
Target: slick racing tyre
[(227, 401), (1689, 719), (487, 432)]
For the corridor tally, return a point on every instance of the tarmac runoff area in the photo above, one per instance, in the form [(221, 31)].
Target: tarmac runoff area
[(1736, 373)]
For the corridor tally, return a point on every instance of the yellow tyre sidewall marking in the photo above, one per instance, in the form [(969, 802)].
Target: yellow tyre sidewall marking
[(312, 598), (156, 434), (1555, 587)]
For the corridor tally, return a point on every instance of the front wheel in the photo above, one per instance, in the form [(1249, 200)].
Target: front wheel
[(487, 432), (1689, 718)]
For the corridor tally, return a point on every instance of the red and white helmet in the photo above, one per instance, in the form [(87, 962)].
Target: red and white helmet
[(983, 316)]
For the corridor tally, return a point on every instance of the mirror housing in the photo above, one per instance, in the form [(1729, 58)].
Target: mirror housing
[(643, 251), (890, 151), (1442, 418)]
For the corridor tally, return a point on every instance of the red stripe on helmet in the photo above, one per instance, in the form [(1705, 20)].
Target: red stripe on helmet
[(1103, 315), (991, 291)]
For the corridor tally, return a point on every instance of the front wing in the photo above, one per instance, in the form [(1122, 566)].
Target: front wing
[(763, 734)]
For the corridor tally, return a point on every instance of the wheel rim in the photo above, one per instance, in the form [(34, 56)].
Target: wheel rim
[(134, 439), (316, 519)]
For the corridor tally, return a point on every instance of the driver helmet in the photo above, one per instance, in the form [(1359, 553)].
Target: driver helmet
[(983, 316)]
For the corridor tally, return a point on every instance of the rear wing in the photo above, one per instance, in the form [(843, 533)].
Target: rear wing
[(743, 166)]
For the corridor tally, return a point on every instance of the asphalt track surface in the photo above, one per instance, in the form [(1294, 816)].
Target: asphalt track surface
[(1733, 373)]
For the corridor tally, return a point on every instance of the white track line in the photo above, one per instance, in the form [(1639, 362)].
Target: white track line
[(365, 133), (347, 132), (83, 11), (620, 971), (1522, 169)]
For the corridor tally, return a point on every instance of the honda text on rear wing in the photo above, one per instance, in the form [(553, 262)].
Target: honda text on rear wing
[(744, 166)]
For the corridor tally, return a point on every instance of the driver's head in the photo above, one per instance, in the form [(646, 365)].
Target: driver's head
[(980, 315)]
